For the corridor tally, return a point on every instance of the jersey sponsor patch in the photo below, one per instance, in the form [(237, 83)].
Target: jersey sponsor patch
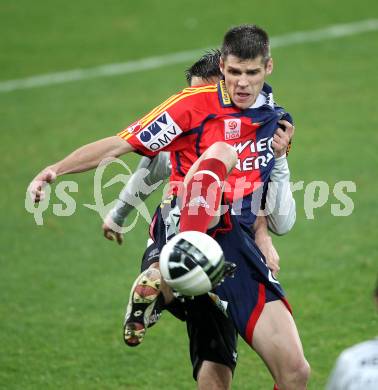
[(254, 155), (232, 128), (159, 133)]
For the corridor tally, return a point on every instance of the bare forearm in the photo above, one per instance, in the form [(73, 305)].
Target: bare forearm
[(89, 156), (260, 227), (265, 244)]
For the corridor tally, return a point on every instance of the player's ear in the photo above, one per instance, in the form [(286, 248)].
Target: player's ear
[(221, 65), (269, 66)]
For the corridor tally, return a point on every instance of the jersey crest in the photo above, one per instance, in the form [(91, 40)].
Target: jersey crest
[(232, 128)]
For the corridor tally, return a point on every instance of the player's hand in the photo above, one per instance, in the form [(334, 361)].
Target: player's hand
[(36, 187), (281, 138), (272, 258), (109, 233)]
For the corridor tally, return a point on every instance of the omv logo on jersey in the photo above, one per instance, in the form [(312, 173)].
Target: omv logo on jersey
[(161, 132)]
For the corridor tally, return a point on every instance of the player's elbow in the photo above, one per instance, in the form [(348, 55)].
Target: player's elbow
[(281, 229), (119, 146), (281, 225)]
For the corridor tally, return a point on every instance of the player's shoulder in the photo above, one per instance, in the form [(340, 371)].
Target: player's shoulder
[(200, 94), (201, 89), (283, 113), (212, 98), (184, 100), (267, 93)]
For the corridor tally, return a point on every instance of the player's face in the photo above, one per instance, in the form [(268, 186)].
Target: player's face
[(198, 81), (244, 79)]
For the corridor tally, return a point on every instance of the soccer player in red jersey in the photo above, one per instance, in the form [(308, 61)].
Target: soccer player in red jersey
[(146, 303), (216, 133)]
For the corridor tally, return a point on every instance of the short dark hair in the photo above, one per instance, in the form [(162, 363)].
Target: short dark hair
[(247, 41), (206, 67)]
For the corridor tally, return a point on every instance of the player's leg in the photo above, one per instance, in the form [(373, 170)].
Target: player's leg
[(143, 297), (204, 184), (276, 340), (219, 150), (258, 313), (165, 290), (213, 343), (148, 294), (214, 376)]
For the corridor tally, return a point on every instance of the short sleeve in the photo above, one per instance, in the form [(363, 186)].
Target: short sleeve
[(160, 127)]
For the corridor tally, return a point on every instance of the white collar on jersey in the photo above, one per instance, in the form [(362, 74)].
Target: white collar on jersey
[(262, 99)]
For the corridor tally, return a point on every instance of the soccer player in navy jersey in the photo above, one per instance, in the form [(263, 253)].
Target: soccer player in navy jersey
[(219, 136)]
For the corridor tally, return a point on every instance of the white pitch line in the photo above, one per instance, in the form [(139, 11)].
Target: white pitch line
[(331, 32)]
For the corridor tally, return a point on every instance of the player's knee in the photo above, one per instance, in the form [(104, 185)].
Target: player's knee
[(214, 376), (223, 152), (295, 375), (302, 372)]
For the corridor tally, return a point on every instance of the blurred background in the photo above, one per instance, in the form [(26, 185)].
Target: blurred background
[(63, 287)]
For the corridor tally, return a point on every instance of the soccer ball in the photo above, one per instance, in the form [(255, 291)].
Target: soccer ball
[(192, 263)]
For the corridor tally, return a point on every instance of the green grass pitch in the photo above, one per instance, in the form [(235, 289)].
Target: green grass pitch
[(63, 288)]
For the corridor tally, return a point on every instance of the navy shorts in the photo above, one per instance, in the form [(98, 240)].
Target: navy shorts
[(253, 284)]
